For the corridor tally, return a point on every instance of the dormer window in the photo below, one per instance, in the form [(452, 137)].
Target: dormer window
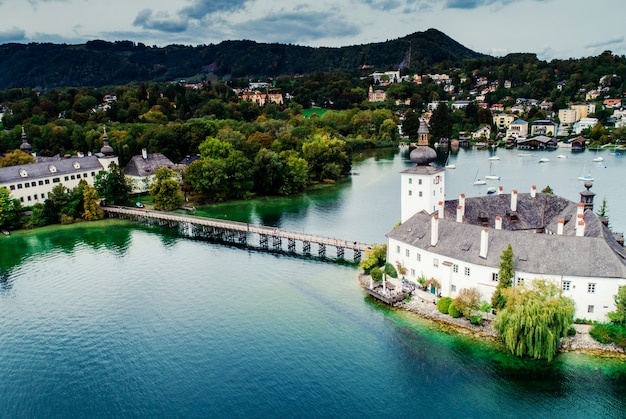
[(23, 173), (52, 168), (76, 165)]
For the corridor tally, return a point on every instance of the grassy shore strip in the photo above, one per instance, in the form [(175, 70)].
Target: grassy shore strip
[(582, 342)]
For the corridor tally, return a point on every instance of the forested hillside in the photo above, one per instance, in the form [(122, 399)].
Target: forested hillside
[(100, 63)]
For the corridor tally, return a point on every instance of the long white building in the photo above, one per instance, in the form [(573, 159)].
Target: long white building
[(32, 183), (459, 242)]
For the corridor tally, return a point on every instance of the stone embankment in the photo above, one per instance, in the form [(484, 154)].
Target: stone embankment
[(422, 303)]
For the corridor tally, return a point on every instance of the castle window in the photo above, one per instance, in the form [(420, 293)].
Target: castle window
[(12, 187), (23, 173), (494, 277), (33, 184), (520, 281), (47, 181), (56, 180), (407, 252), (72, 177), (19, 186), (453, 288), (420, 194), (410, 180), (419, 181), (455, 268), (467, 271), (66, 178), (40, 182), (566, 285), (413, 273), (410, 193), (436, 263), (418, 257), (27, 185), (397, 249), (590, 309), (52, 168), (76, 165), (591, 288)]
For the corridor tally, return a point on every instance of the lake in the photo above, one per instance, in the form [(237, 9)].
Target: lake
[(112, 319)]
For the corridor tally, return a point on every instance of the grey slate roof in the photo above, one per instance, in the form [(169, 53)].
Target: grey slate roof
[(597, 254), (140, 167), (42, 170)]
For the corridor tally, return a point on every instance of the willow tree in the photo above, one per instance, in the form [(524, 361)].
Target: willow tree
[(535, 319), (505, 278)]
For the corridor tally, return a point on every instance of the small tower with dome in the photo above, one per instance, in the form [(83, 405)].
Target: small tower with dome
[(25, 146), (423, 185), (107, 154)]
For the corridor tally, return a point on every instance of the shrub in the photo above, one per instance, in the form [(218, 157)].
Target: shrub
[(571, 331), (485, 307), (444, 304), (476, 318), (601, 333), (467, 301), (390, 270), (377, 274), (453, 311)]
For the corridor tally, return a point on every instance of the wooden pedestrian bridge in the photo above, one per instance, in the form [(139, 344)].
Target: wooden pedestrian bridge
[(245, 234)]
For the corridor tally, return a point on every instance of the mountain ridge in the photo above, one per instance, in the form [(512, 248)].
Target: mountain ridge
[(99, 63)]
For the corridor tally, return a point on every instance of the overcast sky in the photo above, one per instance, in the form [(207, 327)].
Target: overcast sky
[(550, 28)]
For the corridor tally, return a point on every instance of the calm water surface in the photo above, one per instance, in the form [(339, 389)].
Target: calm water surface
[(116, 320)]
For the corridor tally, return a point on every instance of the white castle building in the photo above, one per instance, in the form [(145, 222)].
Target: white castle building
[(32, 183), (459, 242)]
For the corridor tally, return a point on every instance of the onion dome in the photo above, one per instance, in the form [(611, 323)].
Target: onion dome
[(25, 147), (106, 149), (423, 155)]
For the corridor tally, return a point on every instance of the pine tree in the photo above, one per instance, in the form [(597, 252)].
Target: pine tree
[(505, 278)]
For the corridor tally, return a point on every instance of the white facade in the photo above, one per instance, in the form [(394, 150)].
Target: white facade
[(568, 116), (459, 242), (583, 124), (421, 191), (32, 183)]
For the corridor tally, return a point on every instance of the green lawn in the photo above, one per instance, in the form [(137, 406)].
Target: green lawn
[(318, 111)]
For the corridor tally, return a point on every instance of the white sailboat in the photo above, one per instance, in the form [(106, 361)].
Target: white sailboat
[(492, 176), (477, 180), (448, 165), (597, 158), (586, 175)]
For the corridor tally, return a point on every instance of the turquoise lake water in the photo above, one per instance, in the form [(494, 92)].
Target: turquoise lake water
[(117, 320)]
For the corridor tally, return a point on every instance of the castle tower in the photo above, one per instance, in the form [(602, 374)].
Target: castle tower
[(422, 186), (25, 147), (586, 196), (107, 156)]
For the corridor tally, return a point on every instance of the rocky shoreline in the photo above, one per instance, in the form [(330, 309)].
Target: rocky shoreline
[(423, 304)]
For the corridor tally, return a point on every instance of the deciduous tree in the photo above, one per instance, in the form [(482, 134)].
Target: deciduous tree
[(535, 319)]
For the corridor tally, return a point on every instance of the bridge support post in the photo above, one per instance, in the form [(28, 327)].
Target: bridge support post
[(291, 245), (243, 238), (276, 242), (340, 252), (322, 250), (357, 255), (230, 236), (306, 247), (263, 241)]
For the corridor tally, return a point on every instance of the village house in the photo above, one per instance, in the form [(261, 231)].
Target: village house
[(517, 128), (262, 98), (482, 133), (583, 124), (584, 109), (459, 241), (503, 121), (377, 95), (140, 170), (537, 143), (543, 127)]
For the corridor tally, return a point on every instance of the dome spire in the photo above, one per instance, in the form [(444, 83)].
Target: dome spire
[(25, 147), (106, 149), (423, 155)]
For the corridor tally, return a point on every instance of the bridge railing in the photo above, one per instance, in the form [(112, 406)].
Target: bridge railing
[(240, 226)]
